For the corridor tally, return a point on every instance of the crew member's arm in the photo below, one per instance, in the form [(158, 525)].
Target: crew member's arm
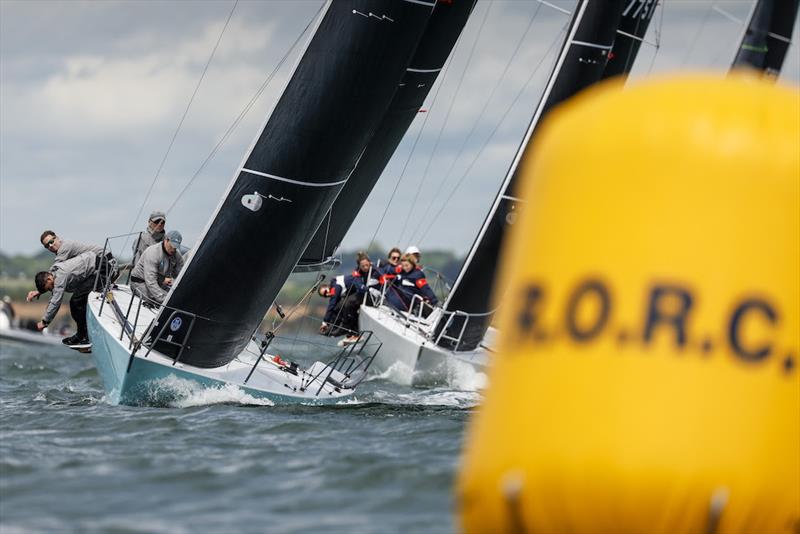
[(151, 282), (426, 291), (54, 304)]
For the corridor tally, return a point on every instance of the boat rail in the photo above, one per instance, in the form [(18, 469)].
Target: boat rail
[(423, 318)]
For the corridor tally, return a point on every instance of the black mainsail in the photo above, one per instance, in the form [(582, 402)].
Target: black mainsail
[(767, 36), (581, 62), (446, 23), (332, 104)]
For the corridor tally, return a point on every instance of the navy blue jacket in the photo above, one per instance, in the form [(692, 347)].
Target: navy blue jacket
[(336, 290), (406, 285)]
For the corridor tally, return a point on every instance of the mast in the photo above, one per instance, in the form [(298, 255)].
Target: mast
[(339, 90), (446, 23), (581, 62), (767, 37)]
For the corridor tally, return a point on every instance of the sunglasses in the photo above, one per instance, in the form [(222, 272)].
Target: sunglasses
[(49, 243), (394, 257), (158, 221)]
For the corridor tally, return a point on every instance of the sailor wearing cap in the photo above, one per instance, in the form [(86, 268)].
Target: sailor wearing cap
[(153, 274), (152, 235), (416, 253)]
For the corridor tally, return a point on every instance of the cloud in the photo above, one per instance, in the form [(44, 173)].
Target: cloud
[(91, 94)]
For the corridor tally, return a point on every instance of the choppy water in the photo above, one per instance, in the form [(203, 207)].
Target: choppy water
[(217, 460)]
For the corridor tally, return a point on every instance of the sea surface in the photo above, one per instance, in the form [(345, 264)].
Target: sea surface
[(216, 460)]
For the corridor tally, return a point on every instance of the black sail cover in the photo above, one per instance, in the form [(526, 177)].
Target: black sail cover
[(768, 35), (338, 93), (636, 17), (580, 63), (446, 23)]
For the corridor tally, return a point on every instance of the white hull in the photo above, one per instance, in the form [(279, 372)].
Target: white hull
[(150, 378), (408, 357)]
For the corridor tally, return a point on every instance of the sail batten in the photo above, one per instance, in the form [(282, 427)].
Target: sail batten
[(304, 154), (289, 180), (767, 36)]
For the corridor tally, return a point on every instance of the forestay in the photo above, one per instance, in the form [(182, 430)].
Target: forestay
[(581, 62), (332, 104), (767, 36), (445, 25)]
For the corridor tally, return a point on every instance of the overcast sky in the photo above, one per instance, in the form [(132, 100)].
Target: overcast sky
[(91, 94)]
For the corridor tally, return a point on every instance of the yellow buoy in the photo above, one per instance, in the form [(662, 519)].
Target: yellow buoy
[(647, 376)]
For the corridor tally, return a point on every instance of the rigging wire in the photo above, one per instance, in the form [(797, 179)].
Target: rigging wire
[(701, 30), (408, 159), (180, 123), (244, 112), (476, 122), (552, 46), (446, 120), (723, 50), (658, 30), (440, 83)]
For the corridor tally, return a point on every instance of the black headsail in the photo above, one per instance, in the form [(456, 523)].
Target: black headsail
[(333, 102), (446, 23), (580, 63), (767, 36)]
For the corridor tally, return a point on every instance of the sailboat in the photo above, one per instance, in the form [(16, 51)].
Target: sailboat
[(206, 330), (453, 341), (767, 36)]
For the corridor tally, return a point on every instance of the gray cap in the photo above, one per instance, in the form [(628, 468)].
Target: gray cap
[(157, 215), (174, 237)]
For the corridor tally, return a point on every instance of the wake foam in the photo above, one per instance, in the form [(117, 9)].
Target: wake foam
[(464, 377), (398, 373), (175, 392), (433, 397)]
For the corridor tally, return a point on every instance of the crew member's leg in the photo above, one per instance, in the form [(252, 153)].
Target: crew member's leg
[(77, 308), (350, 313)]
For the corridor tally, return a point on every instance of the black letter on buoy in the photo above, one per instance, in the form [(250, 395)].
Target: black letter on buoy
[(757, 353), (527, 317), (586, 288), (678, 320)]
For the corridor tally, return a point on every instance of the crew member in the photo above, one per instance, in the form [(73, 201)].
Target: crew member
[(64, 249), (157, 268), (76, 276), (154, 233), (333, 291), (364, 276), (392, 264), (417, 255), (410, 281)]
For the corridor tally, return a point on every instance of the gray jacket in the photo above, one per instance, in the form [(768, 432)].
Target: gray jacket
[(70, 249), (145, 240), (155, 265), (75, 275)]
